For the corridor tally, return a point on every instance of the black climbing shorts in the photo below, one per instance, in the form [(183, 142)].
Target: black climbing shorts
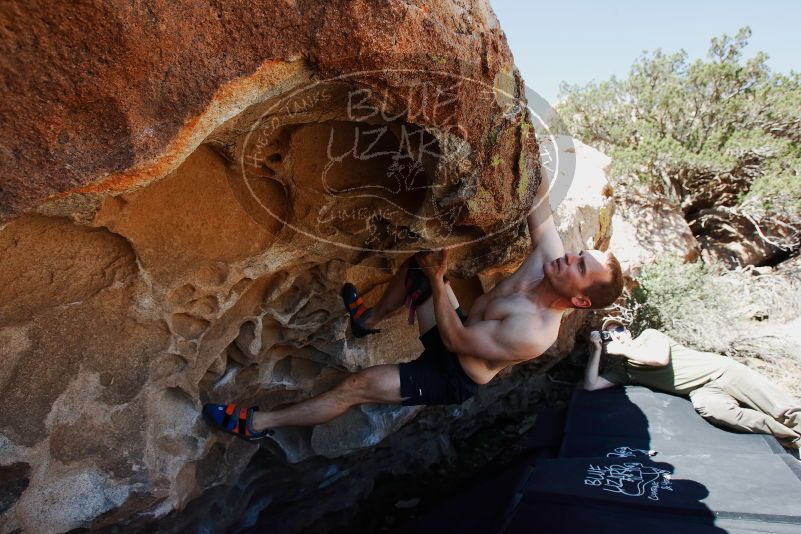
[(436, 377)]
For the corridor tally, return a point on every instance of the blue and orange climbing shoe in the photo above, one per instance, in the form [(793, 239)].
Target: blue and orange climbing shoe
[(418, 287), (234, 420), (357, 310)]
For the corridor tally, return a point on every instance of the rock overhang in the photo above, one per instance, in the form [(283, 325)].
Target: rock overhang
[(176, 287)]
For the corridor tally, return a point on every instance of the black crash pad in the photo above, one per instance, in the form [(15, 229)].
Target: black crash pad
[(740, 484), (534, 517), (624, 421), (482, 506), (703, 480), (704, 493)]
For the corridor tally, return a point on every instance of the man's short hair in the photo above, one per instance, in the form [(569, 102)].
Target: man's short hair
[(606, 292)]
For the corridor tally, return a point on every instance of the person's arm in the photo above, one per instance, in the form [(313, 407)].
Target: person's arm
[(511, 339), (592, 381), (544, 237), (652, 348)]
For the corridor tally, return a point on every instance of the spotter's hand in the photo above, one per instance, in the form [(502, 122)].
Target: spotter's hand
[(433, 267)]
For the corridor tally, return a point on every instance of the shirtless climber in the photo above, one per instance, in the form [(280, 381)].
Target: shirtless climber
[(516, 321)]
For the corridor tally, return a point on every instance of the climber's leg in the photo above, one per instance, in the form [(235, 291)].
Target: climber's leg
[(364, 320), (397, 291), (379, 384), (392, 299)]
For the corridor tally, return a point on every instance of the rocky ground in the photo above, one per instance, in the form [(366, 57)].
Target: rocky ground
[(397, 500)]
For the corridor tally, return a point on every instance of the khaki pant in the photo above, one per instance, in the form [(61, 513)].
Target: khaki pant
[(767, 410)]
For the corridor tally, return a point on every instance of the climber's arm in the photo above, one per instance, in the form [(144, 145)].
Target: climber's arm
[(544, 237), (514, 338), (508, 340)]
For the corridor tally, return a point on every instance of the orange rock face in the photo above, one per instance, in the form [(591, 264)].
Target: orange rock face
[(118, 105), (183, 189)]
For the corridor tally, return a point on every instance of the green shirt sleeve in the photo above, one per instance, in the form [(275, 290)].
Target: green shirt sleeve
[(648, 337)]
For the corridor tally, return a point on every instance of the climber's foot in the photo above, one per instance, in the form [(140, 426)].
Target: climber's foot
[(234, 420), (359, 313)]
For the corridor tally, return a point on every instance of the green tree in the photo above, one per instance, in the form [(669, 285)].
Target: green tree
[(725, 128)]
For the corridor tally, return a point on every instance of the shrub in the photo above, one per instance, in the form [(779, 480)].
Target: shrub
[(726, 123), (742, 314)]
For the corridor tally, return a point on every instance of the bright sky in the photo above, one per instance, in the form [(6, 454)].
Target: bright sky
[(582, 40)]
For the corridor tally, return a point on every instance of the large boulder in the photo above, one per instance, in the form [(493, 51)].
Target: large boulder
[(732, 237), (185, 189), (646, 227), (731, 231), (111, 109)]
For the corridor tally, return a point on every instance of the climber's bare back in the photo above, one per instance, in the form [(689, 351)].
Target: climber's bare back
[(510, 298)]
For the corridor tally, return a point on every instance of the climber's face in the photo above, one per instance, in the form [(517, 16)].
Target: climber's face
[(572, 274)]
